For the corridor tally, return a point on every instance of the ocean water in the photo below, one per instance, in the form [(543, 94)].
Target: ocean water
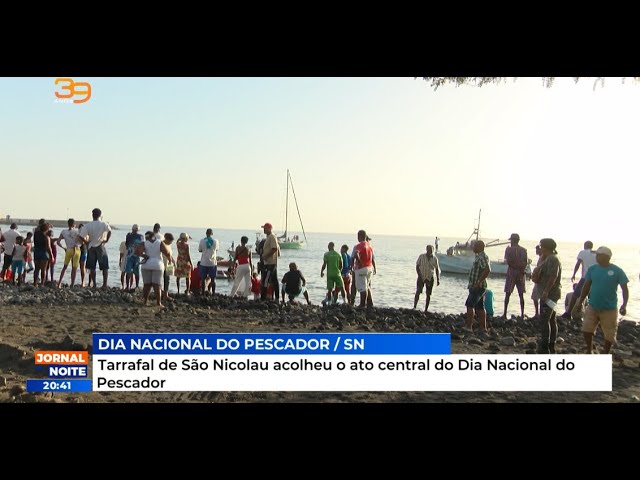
[(394, 284)]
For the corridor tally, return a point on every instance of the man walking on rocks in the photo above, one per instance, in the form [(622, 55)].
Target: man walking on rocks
[(427, 267), (601, 284)]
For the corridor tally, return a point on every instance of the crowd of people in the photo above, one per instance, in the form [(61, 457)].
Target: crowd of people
[(599, 282), (348, 275)]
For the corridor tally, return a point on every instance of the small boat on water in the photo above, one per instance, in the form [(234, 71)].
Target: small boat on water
[(459, 258), (286, 241)]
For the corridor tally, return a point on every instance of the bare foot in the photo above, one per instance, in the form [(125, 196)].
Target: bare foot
[(160, 305)]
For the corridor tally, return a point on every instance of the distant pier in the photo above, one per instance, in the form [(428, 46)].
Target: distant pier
[(31, 222)]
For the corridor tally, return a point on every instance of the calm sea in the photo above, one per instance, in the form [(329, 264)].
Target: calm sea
[(394, 284)]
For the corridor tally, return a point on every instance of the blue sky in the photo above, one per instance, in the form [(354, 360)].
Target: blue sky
[(387, 154)]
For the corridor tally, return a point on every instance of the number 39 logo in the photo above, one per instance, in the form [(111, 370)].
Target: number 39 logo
[(69, 89)]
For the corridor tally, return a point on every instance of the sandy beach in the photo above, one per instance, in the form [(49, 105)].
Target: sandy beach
[(51, 319)]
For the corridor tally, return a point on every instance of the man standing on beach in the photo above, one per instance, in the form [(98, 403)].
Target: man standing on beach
[(9, 242), (156, 232), (516, 258), (93, 234), (71, 251), (332, 261), (586, 258), (270, 254), (550, 293), (478, 274), (132, 261), (209, 261), (426, 266), (601, 284), (364, 269)]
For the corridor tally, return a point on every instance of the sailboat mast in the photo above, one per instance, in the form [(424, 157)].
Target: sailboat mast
[(286, 208), (478, 229), (297, 208)]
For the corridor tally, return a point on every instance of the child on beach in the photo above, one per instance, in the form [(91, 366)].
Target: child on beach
[(255, 286), (488, 304), (28, 244), (122, 262), (19, 260), (196, 282)]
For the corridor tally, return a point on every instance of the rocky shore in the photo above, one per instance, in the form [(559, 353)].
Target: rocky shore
[(64, 319)]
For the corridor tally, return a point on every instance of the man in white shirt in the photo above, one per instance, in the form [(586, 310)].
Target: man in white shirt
[(93, 234), (9, 242), (585, 259), (427, 267), (209, 261), (270, 254), (71, 249)]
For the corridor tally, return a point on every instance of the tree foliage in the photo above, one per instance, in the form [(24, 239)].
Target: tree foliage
[(480, 81)]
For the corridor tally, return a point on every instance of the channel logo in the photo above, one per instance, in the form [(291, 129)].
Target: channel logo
[(63, 368)]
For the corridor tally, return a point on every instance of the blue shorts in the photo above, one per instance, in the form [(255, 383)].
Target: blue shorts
[(475, 299), (132, 265), (17, 266), (210, 271)]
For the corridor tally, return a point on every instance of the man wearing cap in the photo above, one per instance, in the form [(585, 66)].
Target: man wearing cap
[(601, 284), (270, 254), (132, 261), (586, 258), (93, 234), (516, 258), (550, 292)]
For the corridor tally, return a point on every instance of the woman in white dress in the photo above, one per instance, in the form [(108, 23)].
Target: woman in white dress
[(152, 267)]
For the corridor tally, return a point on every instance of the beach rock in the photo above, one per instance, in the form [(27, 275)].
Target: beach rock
[(16, 390), (3, 382), (498, 322), (475, 341), (634, 398), (67, 343), (572, 350), (621, 353), (559, 340), (508, 341)]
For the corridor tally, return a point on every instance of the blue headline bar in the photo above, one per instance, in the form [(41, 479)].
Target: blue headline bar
[(59, 386), (272, 343)]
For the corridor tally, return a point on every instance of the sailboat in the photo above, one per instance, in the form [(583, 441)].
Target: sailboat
[(295, 242)]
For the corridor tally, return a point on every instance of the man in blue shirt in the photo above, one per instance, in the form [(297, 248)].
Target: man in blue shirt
[(601, 284)]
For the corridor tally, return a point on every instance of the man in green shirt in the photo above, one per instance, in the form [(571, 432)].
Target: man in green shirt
[(332, 261)]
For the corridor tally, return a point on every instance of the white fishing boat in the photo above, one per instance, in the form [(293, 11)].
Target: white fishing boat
[(459, 258)]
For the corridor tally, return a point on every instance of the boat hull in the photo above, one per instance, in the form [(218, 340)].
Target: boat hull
[(461, 264), (291, 245)]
